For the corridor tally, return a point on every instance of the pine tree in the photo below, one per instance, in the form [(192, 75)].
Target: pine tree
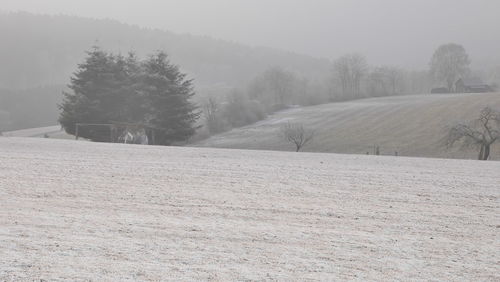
[(108, 88), (135, 105), (169, 92), (93, 94)]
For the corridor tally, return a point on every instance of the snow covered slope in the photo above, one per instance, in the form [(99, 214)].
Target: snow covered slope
[(33, 132), (40, 132), (109, 212), (410, 125)]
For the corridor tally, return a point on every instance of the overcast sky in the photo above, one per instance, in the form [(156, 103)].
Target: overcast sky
[(399, 32)]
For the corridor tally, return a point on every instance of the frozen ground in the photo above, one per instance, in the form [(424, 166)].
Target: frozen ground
[(34, 132), (80, 210), (413, 125), (40, 132)]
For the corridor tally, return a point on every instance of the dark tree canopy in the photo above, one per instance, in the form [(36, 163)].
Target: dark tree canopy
[(110, 88), (168, 92)]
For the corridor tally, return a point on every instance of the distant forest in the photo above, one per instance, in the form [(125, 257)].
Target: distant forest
[(235, 84), (27, 108), (39, 53), (40, 50)]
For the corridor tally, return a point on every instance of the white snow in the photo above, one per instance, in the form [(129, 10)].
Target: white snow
[(414, 125), (110, 212), (34, 132)]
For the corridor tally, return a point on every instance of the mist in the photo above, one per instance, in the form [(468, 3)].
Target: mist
[(246, 140), (394, 32)]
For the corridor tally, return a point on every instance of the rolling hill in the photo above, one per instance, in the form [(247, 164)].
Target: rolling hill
[(84, 211), (28, 108), (409, 125), (54, 131), (45, 50), (39, 53)]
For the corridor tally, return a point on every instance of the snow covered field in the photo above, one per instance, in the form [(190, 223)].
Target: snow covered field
[(81, 210), (34, 132), (413, 125)]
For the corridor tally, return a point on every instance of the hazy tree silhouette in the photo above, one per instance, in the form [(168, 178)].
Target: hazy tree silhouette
[(109, 88), (449, 63), (296, 134), (480, 133)]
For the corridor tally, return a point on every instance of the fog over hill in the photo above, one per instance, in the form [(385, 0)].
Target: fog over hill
[(395, 32), (41, 50), (241, 140)]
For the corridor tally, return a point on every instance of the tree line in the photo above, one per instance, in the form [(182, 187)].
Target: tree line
[(350, 77), (109, 88), (49, 58)]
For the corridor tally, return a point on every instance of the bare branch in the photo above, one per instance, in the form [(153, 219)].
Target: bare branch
[(481, 132), (296, 134)]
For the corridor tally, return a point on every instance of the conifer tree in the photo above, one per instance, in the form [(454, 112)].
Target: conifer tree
[(169, 92), (90, 96), (108, 88)]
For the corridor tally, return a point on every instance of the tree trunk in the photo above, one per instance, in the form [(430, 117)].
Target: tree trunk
[(481, 153), (486, 153)]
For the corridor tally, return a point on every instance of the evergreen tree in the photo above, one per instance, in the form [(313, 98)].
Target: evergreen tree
[(169, 92), (91, 97), (135, 105), (108, 88)]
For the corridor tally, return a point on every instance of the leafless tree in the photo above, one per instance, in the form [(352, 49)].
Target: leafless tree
[(296, 134), (211, 114), (449, 63), (275, 86), (395, 77), (386, 80), (481, 133), (350, 69)]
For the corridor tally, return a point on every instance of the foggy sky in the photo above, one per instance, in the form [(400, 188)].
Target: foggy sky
[(397, 32)]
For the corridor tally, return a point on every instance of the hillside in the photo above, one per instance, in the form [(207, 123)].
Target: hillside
[(107, 212), (54, 131), (27, 108), (41, 50), (410, 125)]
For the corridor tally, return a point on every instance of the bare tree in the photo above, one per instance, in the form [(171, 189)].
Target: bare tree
[(377, 83), (449, 63), (275, 86), (342, 72), (394, 76), (296, 134), (386, 80), (211, 114), (481, 133), (350, 69)]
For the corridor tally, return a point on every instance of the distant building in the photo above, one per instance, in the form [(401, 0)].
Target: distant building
[(472, 85)]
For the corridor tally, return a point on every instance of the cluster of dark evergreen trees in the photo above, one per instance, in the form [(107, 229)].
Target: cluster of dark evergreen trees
[(109, 88)]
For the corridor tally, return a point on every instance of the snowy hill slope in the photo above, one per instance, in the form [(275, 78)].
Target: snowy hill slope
[(109, 212), (34, 132), (410, 125)]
